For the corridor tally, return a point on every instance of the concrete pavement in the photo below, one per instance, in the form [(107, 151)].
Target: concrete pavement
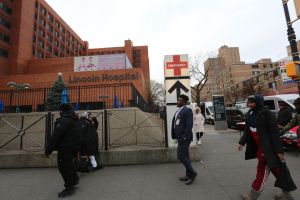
[(222, 175)]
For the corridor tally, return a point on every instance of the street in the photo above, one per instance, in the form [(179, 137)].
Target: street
[(222, 175)]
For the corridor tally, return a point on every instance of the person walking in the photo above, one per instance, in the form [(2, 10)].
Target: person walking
[(182, 125), (284, 114), (66, 140), (198, 124), (90, 144), (263, 142)]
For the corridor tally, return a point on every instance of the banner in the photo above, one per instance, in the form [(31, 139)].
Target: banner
[(101, 62)]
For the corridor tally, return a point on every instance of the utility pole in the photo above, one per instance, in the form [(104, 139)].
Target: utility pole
[(294, 66)]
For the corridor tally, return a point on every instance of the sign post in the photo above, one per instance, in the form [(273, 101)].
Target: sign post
[(219, 112), (177, 81)]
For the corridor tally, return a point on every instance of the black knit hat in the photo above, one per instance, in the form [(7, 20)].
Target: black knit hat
[(297, 102), (65, 107)]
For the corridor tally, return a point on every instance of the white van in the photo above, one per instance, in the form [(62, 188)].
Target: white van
[(272, 101), (209, 112)]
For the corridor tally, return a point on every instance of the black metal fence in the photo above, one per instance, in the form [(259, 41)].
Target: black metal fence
[(93, 97)]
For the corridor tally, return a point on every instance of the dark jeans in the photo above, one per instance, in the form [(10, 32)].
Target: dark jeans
[(66, 168), (184, 157), (199, 135)]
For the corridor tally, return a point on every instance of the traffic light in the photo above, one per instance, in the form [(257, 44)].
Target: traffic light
[(292, 69)]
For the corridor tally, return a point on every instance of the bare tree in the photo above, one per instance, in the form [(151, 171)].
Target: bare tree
[(157, 94), (199, 75)]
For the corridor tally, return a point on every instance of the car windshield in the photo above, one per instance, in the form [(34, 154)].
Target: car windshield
[(211, 108), (291, 101)]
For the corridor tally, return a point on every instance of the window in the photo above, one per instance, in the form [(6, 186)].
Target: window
[(5, 8), (48, 48), (4, 38), (49, 38), (270, 104), (40, 54), (3, 53), (40, 43), (56, 34), (4, 22), (254, 66), (43, 11)]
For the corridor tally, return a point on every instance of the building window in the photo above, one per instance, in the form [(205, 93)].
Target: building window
[(41, 33), (50, 17), (4, 22), (254, 66), (40, 54), (4, 38), (3, 53), (5, 8), (48, 48), (49, 38), (56, 34), (43, 11), (40, 43)]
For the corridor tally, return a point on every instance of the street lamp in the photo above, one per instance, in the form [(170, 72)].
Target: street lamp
[(19, 87)]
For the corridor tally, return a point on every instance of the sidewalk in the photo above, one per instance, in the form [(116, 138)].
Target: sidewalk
[(222, 175)]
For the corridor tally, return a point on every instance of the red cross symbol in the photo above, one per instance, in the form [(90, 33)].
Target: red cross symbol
[(177, 65)]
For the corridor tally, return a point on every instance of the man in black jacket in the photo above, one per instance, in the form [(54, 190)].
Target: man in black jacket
[(66, 140), (263, 142), (284, 114)]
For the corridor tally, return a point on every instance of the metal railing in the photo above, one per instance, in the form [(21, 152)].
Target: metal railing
[(94, 97)]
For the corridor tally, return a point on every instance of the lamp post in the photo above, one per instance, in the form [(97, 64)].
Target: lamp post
[(19, 87), (291, 36)]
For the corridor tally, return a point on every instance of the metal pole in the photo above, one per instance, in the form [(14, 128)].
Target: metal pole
[(291, 36), (105, 130), (166, 126)]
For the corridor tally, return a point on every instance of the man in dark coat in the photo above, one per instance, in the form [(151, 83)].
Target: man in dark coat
[(66, 140), (284, 114), (263, 142), (182, 125)]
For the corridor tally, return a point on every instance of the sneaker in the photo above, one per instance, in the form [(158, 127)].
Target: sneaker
[(199, 142), (66, 193)]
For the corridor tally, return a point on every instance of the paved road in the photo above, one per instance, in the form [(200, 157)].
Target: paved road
[(222, 175)]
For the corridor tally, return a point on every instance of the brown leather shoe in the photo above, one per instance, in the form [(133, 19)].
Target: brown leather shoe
[(190, 181), (185, 178)]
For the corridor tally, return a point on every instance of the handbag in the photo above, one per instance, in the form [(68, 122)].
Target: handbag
[(82, 163), (284, 180)]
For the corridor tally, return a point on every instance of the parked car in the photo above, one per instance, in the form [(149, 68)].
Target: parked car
[(209, 112), (235, 115), (290, 139)]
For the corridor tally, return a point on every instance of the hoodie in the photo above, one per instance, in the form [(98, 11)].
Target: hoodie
[(252, 114)]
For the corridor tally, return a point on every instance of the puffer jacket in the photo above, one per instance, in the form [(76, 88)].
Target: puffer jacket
[(67, 135)]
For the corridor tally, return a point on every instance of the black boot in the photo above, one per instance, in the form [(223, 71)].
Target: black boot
[(66, 193)]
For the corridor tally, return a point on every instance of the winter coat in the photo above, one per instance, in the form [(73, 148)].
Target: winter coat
[(90, 143), (284, 116), (67, 135), (198, 122), (268, 134), (183, 131)]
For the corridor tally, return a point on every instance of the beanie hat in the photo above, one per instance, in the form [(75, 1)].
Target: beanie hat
[(65, 107)]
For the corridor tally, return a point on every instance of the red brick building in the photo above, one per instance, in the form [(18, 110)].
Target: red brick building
[(36, 44)]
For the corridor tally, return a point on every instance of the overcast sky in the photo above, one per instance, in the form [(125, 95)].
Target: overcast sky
[(194, 27)]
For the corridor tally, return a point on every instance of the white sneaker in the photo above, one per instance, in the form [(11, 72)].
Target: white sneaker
[(199, 142)]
